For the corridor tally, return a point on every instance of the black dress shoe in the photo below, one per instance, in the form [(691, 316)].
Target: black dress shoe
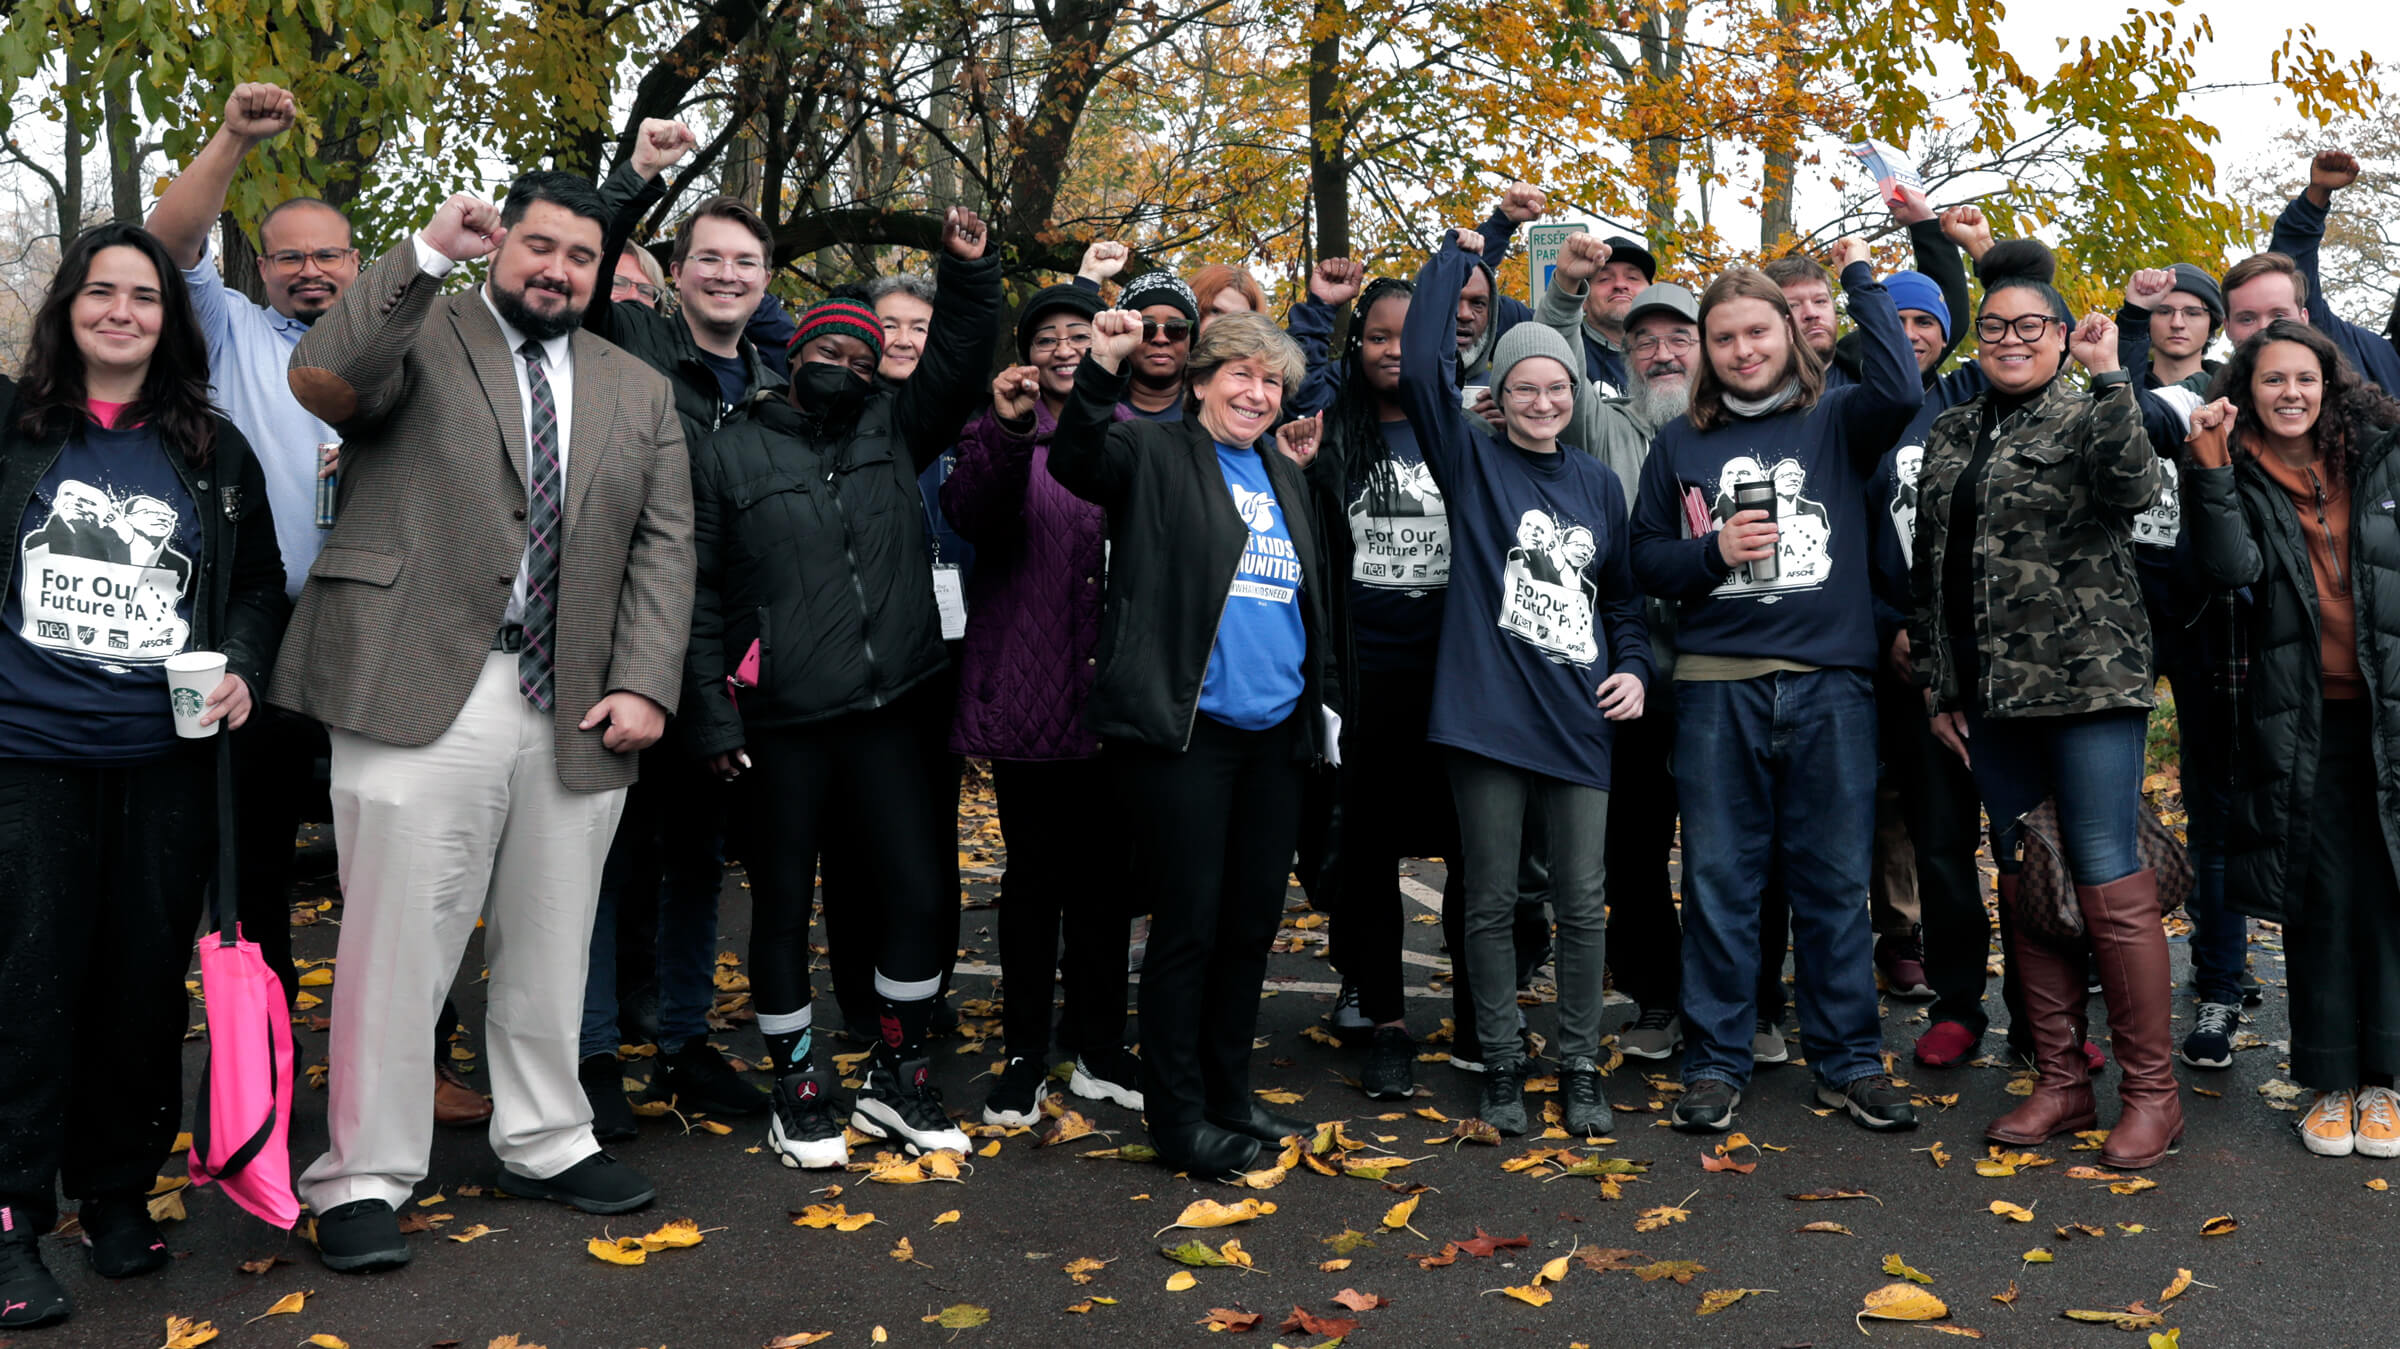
[(597, 1184), (360, 1236), (1260, 1123), (699, 1078), (1207, 1152), (603, 1079)]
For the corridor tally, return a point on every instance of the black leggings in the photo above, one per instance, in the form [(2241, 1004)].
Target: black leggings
[(1395, 803), (1214, 828), (1068, 869), (1645, 939), (105, 870), (784, 805)]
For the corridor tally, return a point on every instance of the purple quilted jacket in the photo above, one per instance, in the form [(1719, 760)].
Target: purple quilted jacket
[(1033, 611)]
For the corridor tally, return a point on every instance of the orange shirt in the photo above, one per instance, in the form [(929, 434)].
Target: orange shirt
[(2322, 506)]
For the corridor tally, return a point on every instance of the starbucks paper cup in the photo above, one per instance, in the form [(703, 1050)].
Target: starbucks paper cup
[(191, 677)]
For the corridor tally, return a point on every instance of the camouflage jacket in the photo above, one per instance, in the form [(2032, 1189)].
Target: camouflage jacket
[(2058, 614)]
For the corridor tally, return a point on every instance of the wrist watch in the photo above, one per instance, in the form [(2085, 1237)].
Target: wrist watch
[(2109, 379)]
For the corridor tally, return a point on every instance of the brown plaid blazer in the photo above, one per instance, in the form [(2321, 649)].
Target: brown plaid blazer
[(401, 607)]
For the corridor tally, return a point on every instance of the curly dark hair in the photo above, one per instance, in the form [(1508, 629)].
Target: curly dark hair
[(2350, 408), (175, 397)]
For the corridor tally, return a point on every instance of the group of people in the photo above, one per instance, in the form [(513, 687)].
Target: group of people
[(619, 587)]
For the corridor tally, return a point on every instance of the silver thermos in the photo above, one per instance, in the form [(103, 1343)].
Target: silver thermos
[(1757, 494)]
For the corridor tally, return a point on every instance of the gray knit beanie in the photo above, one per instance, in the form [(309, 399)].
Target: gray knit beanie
[(1528, 340)]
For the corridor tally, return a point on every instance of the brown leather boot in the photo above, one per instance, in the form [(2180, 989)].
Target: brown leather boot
[(455, 1103), (2130, 946), (2051, 987)]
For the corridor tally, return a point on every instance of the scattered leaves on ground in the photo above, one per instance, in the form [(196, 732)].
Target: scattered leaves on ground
[(1681, 1271), (185, 1333), (1532, 1295), (621, 1251), (835, 1216), (2014, 1213), (1899, 1268), (1210, 1213), (2222, 1225), (1902, 1302)]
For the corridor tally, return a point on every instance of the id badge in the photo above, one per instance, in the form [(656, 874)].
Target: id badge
[(950, 598)]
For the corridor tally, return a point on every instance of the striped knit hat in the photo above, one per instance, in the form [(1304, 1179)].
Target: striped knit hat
[(842, 318)]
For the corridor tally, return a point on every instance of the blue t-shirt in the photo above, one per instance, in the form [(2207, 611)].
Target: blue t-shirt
[(1254, 671), (108, 554), (1400, 555), (733, 377)]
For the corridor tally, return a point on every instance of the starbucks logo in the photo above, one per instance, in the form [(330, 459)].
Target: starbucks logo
[(187, 702)]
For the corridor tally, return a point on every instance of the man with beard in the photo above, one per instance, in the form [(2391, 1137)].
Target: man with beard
[(1661, 345), (1609, 298), (494, 630)]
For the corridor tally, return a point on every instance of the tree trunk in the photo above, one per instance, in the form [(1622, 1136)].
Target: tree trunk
[(1328, 162), (1782, 147), (1078, 31), (124, 152), (1658, 158), (70, 192), (237, 260)]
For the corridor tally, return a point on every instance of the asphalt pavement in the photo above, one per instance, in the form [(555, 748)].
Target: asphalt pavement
[(2306, 1258)]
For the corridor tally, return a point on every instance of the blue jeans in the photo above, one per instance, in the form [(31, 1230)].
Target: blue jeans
[(1776, 775), (670, 837), (2091, 762)]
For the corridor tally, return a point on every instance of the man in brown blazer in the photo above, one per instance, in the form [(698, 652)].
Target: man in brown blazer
[(492, 633)]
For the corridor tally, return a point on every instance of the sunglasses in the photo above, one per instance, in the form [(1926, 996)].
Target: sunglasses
[(1175, 329)]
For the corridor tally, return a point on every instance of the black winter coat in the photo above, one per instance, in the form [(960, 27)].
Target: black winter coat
[(1175, 546), (811, 539), (2247, 534), (240, 607)]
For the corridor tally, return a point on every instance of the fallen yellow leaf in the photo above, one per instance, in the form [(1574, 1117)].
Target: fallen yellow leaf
[(287, 1305), (1894, 1265), (317, 979), (1399, 1215), (904, 1251), (2122, 1320), (799, 1339), (950, 1217), (2183, 1281), (2379, 1184), (1835, 1228), (1532, 1295), (835, 1216), (622, 1251), (167, 1208), (2012, 1212), (2134, 1186), (185, 1333), (1718, 1299), (2038, 1256), (675, 1235), (1182, 1280), (1210, 1213), (2222, 1225), (321, 1340), (1552, 1272), (1902, 1302), (1333, 1266), (479, 1230), (959, 1316)]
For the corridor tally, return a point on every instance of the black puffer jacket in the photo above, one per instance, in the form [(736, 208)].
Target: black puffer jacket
[(2247, 534), (811, 539), (1176, 544)]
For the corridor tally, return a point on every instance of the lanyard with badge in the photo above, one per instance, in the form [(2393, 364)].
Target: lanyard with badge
[(949, 586)]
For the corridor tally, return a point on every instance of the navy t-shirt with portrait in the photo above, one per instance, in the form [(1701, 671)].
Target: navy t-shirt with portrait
[(108, 554)]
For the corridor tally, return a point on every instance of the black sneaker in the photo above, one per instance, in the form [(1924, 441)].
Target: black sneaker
[(360, 1236), (603, 1079), (1015, 1100), (805, 1128), (121, 1238), (1656, 1034), (900, 1102), (30, 1295), (1873, 1101), (699, 1078), (1503, 1103), (2210, 1045), (1390, 1072), (1109, 1073), (1706, 1106), (597, 1184), (1587, 1103)]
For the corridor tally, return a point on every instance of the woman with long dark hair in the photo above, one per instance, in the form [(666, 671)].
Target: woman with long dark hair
[(2293, 478), (142, 532), (2031, 636)]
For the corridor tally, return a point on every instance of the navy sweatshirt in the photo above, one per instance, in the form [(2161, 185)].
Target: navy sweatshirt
[(1541, 606), (2298, 232), (1817, 610)]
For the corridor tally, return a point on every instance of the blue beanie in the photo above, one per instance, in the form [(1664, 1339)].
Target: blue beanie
[(1915, 290)]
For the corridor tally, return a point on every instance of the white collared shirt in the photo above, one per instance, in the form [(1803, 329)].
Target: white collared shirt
[(558, 369)]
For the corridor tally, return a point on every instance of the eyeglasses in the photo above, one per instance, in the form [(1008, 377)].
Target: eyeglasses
[(2190, 313), (1175, 329), (744, 267), (2027, 327), (1678, 342), (292, 259), (623, 286), (1526, 395), (1044, 346)]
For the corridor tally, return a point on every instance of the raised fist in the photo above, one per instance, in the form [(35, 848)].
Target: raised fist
[(2211, 434), (1967, 227), (2332, 171), (465, 228), (256, 112), (1300, 439), (1581, 257), (1523, 202), (1336, 281), (1116, 334), (659, 144), (1015, 391), (1102, 260), (963, 234), (2149, 287), (2093, 343), (1848, 249)]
